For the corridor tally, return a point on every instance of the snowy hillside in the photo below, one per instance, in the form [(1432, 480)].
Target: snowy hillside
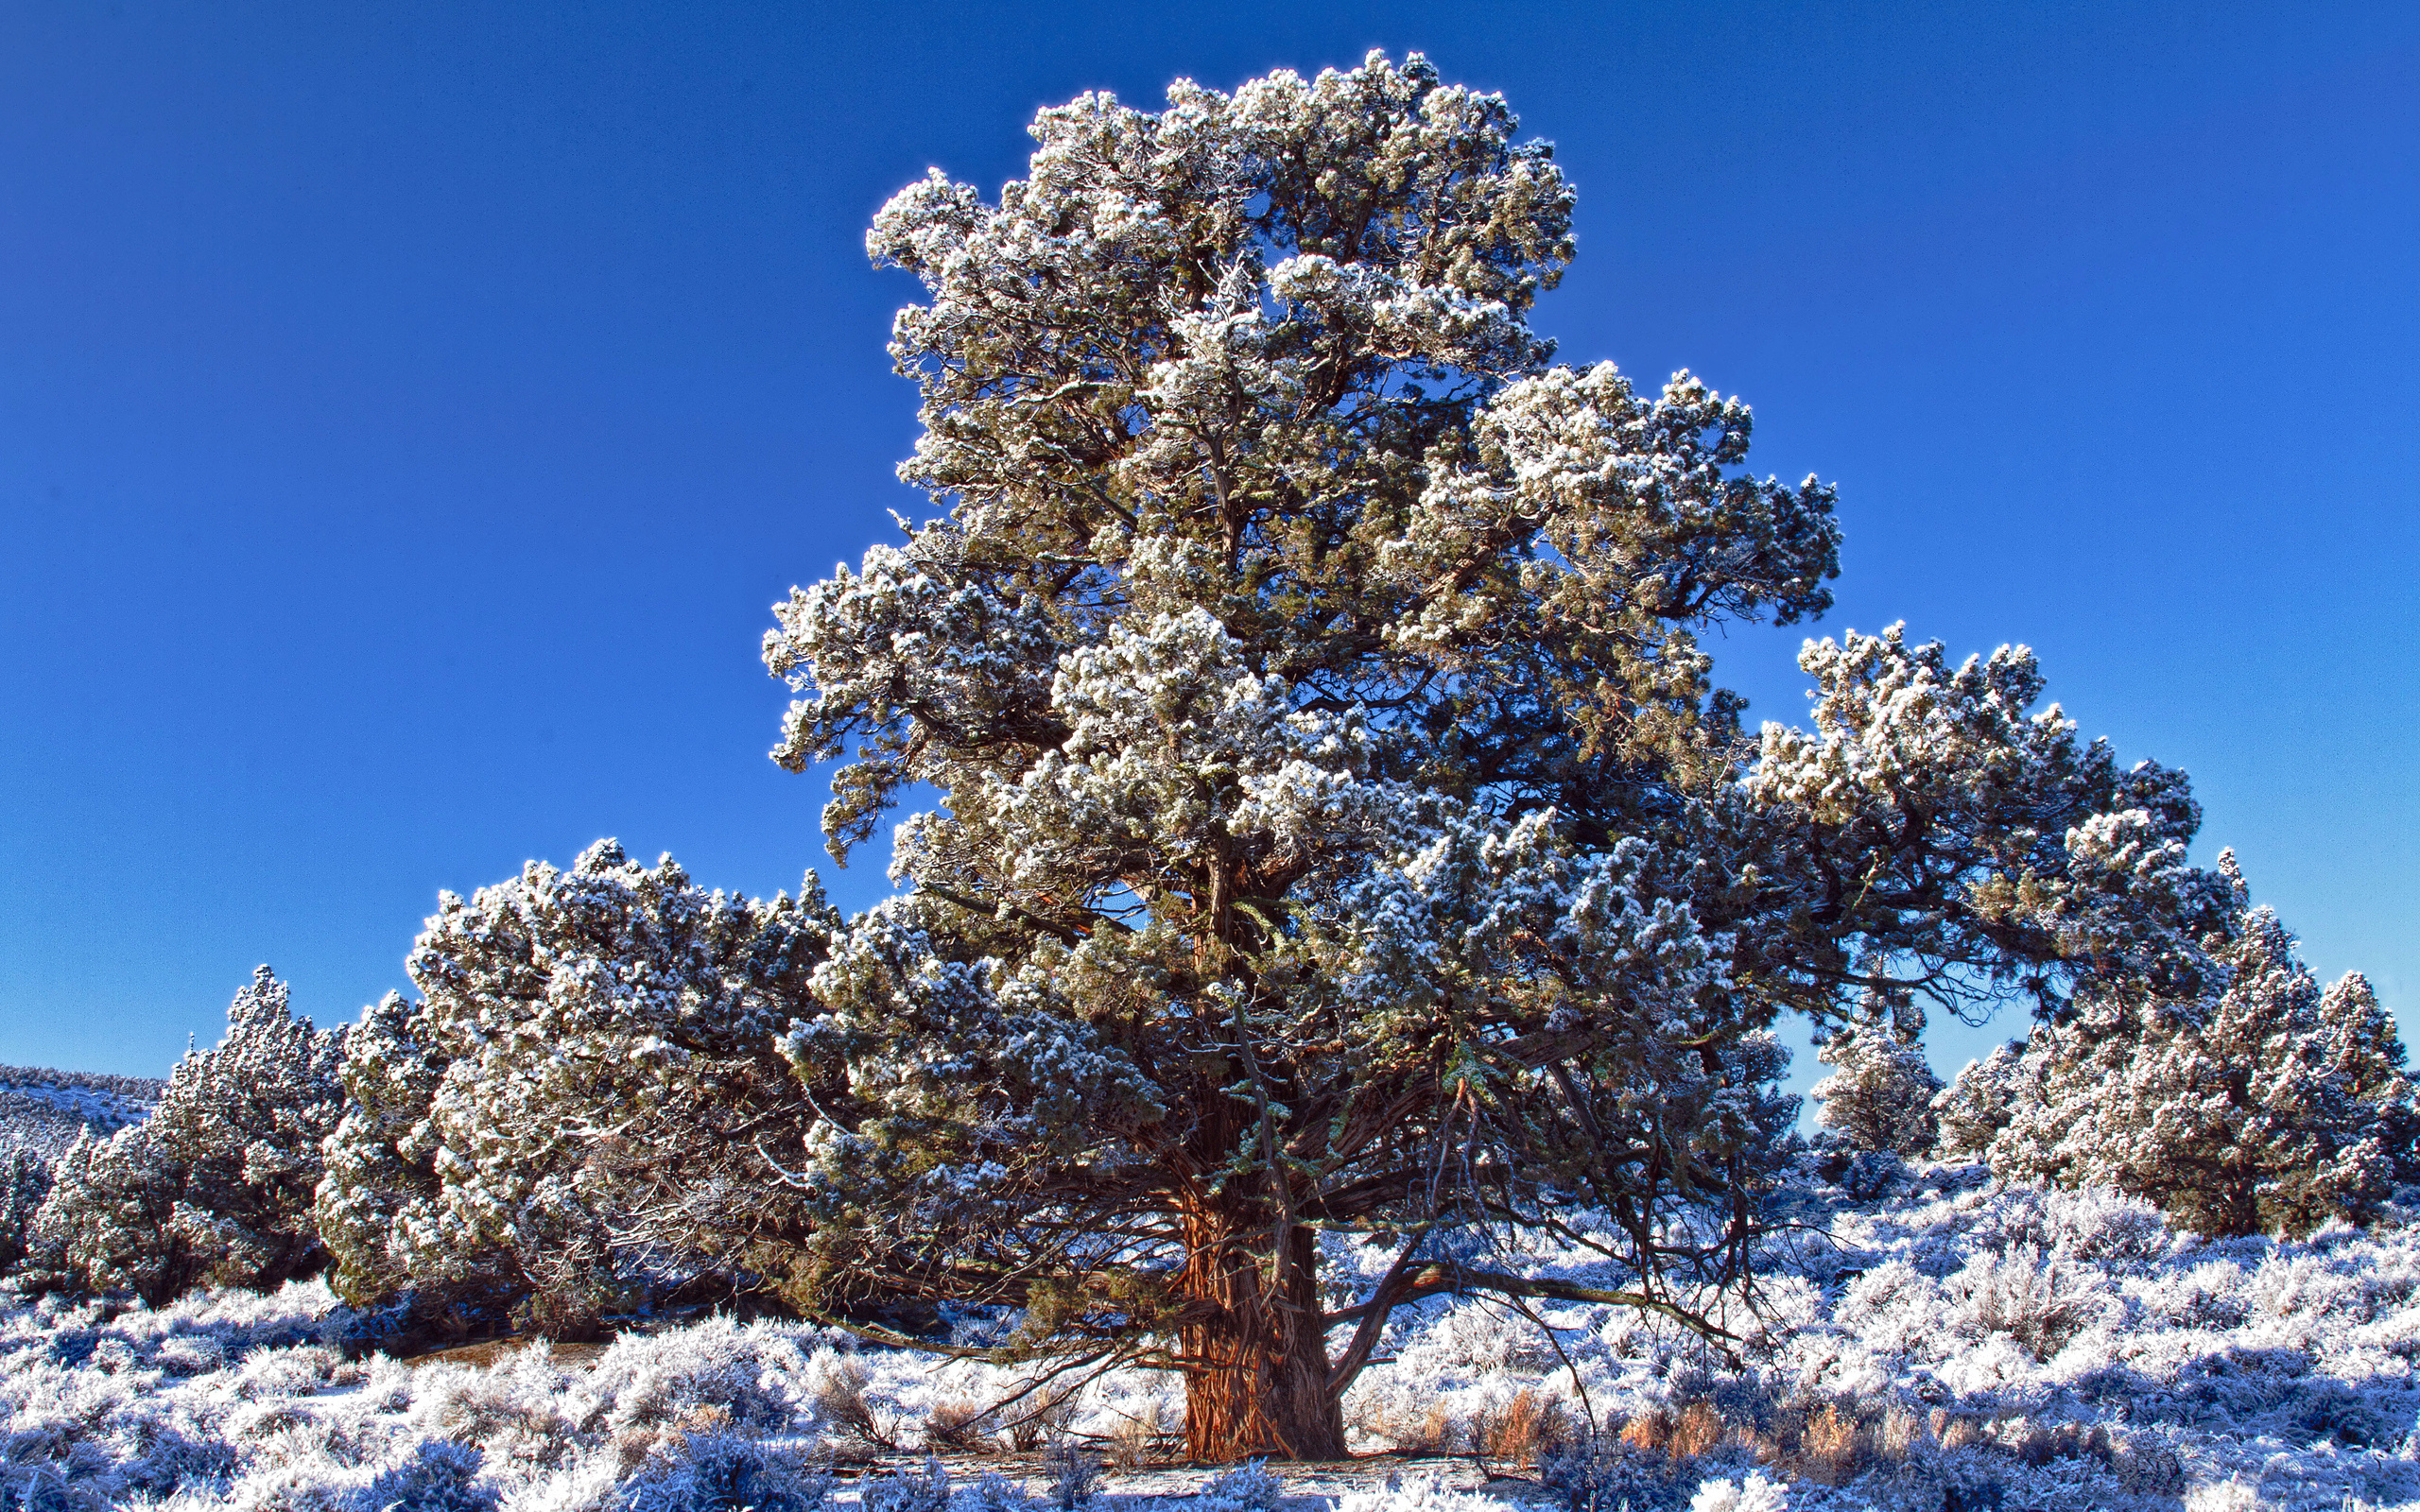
[(1947, 1344), (43, 1110)]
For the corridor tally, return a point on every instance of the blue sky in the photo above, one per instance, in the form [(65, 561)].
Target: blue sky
[(408, 414)]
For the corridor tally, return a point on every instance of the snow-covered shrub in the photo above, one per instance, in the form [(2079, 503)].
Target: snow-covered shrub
[(742, 1376), (2270, 1107), (1880, 1094), (1419, 1494), (25, 1180), (994, 1492), (1754, 1494), (515, 1408), (1251, 1487), (435, 1475), (1868, 1173), (215, 1187), (923, 1489), (2098, 1224), (737, 1473), (378, 1197), (2039, 1303), (1596, 1471), (558, 1123), (1075, 1474)]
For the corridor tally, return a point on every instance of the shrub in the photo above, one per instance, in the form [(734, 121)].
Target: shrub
[(1970, 1112), (554, 1130), (25, 1180), (1251, 1487), (731, 1472), (907, 1490), (437, 1475), (215, 1186)]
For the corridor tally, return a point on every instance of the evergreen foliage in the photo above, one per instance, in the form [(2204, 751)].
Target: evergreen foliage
[(215, 1187), (576, 1115), (1880, 1093), (2267, 1107), (1971, 1110), (25, 1181), (1341, 829)]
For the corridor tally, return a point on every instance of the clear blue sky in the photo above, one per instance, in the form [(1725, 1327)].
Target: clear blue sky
[(407, 413)]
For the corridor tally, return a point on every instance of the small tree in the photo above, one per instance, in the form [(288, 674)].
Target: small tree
[(2267, 1107), (215, 1187), (1977, 1105), (1339, 828), (578, 1114), (1880, 1093), (25, 1181)]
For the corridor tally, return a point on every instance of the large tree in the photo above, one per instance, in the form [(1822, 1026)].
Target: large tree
[(1338, 826)]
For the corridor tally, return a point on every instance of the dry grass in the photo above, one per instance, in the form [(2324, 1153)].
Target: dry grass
[(960, 1427), (1522, 1431), (1432, 1430), (1680, 1433), (1141, 1441), (839, 1399), (1833, 1449)]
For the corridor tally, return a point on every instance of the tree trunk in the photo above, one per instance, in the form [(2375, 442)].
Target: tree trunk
[(1256, 1361)]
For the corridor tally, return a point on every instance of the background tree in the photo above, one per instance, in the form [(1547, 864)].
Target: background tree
[(1339, 828), (2267, 1107), (1880, 1094), (571, 1118), (25, 1181), (215, 1187), (1977, 1105)]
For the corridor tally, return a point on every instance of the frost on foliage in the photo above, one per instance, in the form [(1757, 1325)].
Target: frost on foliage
[(555, 1119), (1880, 1093), (1956, 1343), (1418, 1493), (1249, 1487), (2270, 1106), (1977, 1105), (728, 1473), (1962, 848), (1754, 1494), (215, 1187), (1339, 827), (1307, 665), (25, 1181)]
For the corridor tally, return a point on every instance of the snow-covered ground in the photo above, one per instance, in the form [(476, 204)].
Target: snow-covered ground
[(42, 1111), (1945, 1344)]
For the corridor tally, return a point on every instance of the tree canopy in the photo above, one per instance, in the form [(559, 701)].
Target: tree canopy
[(1339, 827)]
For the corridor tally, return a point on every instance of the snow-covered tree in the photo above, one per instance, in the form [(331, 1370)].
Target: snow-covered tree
[(1880, 1093), (25, 1181), (1977, 1105), (586, 1109), (215, 1187), (1339, 827), (2267, 1107)]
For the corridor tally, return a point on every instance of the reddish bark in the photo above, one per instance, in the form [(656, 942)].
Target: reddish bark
[(1256, 1356)]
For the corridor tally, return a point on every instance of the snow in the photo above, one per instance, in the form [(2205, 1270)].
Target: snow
[(2046, 1348), (41, 1112)]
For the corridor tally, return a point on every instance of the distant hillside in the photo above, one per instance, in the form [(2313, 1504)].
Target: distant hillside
[(43, 1110)]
